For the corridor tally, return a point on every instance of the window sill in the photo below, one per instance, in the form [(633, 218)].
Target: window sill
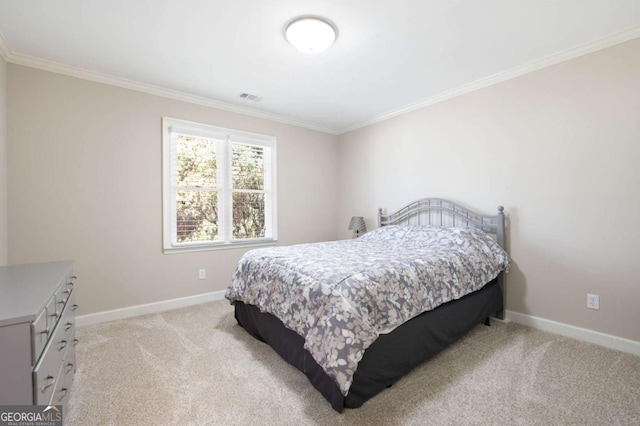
[(220, 246)]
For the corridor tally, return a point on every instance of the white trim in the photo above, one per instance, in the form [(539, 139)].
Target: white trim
[(611, 40), (583, 334), (85, 74), (149, 308), (33, 62), (233, 244), (5, 52)]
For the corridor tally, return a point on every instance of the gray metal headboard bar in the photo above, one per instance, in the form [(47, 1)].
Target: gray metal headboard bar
[(441, 212)]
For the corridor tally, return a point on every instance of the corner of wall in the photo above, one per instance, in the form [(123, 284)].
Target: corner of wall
[(4, 256)]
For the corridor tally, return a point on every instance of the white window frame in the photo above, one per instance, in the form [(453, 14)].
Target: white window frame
[(225, 190)]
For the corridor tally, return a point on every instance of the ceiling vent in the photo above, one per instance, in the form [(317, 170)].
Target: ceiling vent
[(250, 97)]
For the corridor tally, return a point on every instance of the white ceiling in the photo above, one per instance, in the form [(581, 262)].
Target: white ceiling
[(391, 56)]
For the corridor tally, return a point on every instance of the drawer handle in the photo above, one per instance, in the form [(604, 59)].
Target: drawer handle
[(67, 291), (65, 390), (55, 315), (73, 278), (75, 342), (70, 369), (74, 307), (62, 302), (51, 383), (64, 345), (45, 331), (68, 326)]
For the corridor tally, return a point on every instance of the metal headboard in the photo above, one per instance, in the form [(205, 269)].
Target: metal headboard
[(441, 212)]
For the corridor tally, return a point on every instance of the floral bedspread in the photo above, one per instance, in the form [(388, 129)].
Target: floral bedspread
[(341, 295)]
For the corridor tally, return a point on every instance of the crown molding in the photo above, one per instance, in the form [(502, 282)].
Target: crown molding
[(611, 40), (85, 74), (9, 56), (5, 52)]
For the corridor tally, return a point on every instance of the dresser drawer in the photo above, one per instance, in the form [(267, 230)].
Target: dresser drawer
[(39, 336), (42, 328), (66, 374), (70, 358), (68, 368), (62, 295), (53, 313), (45, 375), (71, 279), (71, 306), (68, 319), (61, 391)]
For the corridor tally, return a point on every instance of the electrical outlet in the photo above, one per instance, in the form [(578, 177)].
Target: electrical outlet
[(202, 274), (593, 301)]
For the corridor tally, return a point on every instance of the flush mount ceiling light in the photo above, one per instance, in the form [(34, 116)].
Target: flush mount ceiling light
[(310, 34)]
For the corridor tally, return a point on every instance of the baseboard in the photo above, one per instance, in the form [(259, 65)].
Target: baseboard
[(149, 308), (583, 334)]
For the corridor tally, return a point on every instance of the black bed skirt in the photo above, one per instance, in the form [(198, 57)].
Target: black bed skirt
[(390, 357)]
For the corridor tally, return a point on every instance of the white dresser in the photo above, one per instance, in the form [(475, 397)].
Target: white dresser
[(37, 333)]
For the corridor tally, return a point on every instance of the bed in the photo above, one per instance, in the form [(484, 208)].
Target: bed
[(356, 315)]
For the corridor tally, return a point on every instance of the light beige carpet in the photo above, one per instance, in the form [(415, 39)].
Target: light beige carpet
[(196, 366)]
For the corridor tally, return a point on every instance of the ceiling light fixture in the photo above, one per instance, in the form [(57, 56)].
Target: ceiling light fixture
[(310, 34)]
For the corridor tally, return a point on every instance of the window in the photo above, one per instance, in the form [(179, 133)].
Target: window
[(219, 187)]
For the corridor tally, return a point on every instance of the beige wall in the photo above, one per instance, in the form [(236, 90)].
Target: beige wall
[(85, 184), (4, 256), (559, 148)]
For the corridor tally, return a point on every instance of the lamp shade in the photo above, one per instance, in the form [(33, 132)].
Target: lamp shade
[(357, 224)]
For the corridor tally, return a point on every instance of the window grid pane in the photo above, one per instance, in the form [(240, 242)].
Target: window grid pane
[(247, 166), (248, 215), (196, 162), (196, 216)]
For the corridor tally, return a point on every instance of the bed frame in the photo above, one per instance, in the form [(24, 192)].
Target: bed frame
[(394, 354)]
